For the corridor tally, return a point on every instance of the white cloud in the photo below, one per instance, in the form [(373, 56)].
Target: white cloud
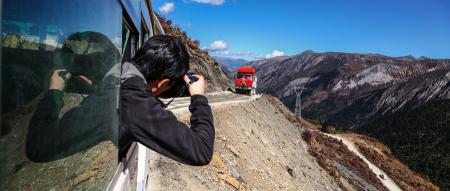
[(275, 53), (212, 2), (242, 54), (217, 46), (167, 8), (225, 52), (221, 48)]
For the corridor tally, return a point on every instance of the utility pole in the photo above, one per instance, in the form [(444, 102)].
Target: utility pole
[(298, 101)]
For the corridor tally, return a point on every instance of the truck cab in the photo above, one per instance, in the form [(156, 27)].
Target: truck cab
[(245, 82)]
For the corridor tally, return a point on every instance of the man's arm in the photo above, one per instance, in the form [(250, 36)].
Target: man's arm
[(150, 124), (42, 136), (41, 145)]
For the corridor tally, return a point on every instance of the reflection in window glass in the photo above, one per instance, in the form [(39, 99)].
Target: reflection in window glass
[(134, 7), (59, 73)]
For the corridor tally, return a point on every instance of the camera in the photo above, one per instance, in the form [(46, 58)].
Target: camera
[(181, 88), (191, 77)]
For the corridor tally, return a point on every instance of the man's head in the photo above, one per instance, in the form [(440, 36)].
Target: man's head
[(163, 60)]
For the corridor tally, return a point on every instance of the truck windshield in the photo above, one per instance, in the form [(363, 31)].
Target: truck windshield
[(244, 75), (57, 137)]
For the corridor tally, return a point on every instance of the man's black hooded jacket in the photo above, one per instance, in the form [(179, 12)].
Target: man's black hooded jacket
[(143, 119)]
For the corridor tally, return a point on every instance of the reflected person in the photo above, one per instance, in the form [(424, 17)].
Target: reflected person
[(91, 65)]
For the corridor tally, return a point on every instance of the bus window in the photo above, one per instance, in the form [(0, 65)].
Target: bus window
[(144, 33), (60, 70), (129, 40)]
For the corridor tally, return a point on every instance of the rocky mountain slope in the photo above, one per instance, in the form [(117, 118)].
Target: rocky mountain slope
[(346, 89), (259, 146), (201, 62)]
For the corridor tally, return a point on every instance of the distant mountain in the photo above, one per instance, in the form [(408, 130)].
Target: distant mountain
[(229, 65), (347, 89), (402, 101)]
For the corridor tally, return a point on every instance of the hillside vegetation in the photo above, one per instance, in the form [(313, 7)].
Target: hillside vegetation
[(420, 138), (380, 155)]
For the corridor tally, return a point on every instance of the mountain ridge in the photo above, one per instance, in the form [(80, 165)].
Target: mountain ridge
[(340, 79), (229, 65)]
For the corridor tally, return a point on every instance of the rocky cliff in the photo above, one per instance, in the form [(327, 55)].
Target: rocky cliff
[(201, 62)]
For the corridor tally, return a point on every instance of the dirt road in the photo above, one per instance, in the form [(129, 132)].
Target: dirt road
[(180, 105), (387, 181)]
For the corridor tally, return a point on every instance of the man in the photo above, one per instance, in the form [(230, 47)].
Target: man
[(162, 63)]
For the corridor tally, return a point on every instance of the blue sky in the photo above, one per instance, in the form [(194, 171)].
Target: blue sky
[(254, 29)]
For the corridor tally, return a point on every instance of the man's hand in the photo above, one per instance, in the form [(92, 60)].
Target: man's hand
[(198, 87), (57, 81)]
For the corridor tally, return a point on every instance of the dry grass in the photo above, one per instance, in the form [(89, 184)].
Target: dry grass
[(328, 150), (309, 125)]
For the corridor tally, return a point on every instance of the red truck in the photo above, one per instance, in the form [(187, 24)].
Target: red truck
[(245, 82)]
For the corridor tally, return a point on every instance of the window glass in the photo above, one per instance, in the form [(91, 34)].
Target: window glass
[(144, 33), (128, 41), (146, 17), (60, 70), (133, 8)]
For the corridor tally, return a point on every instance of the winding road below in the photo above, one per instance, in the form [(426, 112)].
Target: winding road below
[(387, 181)]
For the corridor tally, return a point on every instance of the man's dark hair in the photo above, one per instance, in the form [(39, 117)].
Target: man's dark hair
[(162, 57)]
